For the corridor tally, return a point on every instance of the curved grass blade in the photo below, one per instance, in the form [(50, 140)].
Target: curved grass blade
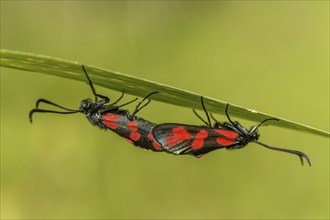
[(137, 86)]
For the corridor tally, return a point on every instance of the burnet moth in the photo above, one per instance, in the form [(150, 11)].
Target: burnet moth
[(199, 140), (109, 116)]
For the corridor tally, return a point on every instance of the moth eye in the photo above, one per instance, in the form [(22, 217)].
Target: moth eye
[(84, 105)]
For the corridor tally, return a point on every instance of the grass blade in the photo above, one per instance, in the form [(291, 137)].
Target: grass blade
[(137, 86)]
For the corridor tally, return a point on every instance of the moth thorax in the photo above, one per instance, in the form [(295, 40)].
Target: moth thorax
[(94, 118)]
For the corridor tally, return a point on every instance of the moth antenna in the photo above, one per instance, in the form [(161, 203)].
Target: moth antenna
[(51, 103), (49, 111), (300, 154)]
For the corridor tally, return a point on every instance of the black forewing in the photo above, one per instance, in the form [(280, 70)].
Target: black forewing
[(121, 128), (180, 139)]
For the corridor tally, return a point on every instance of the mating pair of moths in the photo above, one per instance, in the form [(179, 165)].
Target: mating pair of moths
[(173, 138)]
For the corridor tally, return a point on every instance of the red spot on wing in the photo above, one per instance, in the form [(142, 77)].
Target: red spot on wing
[(132, 125), (111, 117), (154, 144), (157, 146), (228, 134), (224, 141), (111, 124), (135, 136), (178, 134), (199, 140), (109, 120)]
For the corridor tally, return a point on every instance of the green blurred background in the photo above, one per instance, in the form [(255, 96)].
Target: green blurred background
[(268, 56)]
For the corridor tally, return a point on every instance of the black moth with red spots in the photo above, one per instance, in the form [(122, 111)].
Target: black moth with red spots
[(199, 140), (109, 116)]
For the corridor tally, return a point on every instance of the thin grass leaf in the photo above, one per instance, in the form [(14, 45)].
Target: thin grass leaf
[(137, 87)]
